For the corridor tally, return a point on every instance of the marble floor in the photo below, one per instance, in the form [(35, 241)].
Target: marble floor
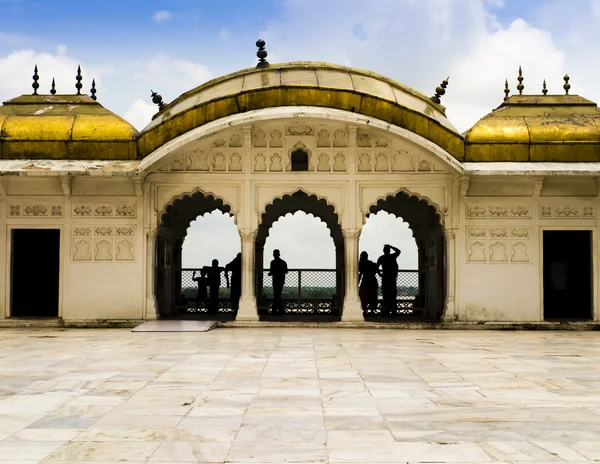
[(293, 395)]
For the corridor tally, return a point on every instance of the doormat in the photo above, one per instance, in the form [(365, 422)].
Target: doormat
[(175, 326)]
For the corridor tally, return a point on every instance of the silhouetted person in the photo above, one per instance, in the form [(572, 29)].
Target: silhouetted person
[(201, 281), (367, 280), (277, 271), (213, 278), (389, 276), (235, 284)]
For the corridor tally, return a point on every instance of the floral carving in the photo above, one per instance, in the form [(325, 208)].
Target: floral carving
[(498, 252), (381, 163), (276, 138), (477, 252), (520, 232), (477, 232), (520, 252), (476, 211), (15, 210), (588, 211), (403, 161), (220, 143), (124, 231), (276, 164), (498, 232), (546, 211), (381, 143), (35, 210), (498, 211), (424, 165), (82, 210), (520, 211), (82, 250), (364, 162), (82, 231), (260, 139), (103, 251), (567, 211), (57, 210), (323, 162), (299, 129), (259, 163), (323, 139), (340, 138), (235, 140), (364, 140), (219, 162), (339, 162), (124, 250), (125, 210), (103, 210), (235, 162), (103, 231)]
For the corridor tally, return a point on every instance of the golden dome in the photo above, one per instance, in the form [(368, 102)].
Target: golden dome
[(63, 127), (303, 84), (537, 128)]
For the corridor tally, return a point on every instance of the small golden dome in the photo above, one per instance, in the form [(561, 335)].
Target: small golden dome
[(537, 128), (63, 127)]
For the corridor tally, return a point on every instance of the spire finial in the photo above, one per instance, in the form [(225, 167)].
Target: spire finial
[(35, 84), (157, 100), (262, 54), (440, 90), (567, 86), (53, 89), (544, 89), (520, 86), (506, 90), (93, 89), (79, 85)]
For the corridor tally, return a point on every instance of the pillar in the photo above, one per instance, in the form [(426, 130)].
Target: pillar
[(151, 311), (449, 313), (352, 310), (247, 310)]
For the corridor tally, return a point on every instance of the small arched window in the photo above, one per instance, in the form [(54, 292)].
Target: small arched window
[(299, 160)]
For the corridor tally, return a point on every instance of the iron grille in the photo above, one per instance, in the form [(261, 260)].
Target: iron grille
[(407, 286), (188, 302), (306, 292)]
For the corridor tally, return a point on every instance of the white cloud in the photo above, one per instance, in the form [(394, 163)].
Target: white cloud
[(161, 15), (140, 113)]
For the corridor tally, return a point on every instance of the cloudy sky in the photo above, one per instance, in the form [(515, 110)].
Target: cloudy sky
[(131, 47)]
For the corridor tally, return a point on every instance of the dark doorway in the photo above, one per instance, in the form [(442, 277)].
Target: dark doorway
[(299, 160), (35, 261), (567, 276)]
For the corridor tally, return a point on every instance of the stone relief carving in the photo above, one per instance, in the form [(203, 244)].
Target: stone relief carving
[(520, 252), (323, 162), (199, 161), (476, 232), (276, 138), (476, 211), (340, 138), (498, 211), (103, 251), (498, 252), (498, 232), (424, 166), (477, 252), (520, 232), (219, 162), (82, 250), (299, 129), (235, 140), (364, 164), (177, 165), (103, 231), (403, 161), (14, 210), (323, 139), (82, 231), (235, 162), (276, 164), (124, 231), (380, 143), (124, 250), (381, 163), (364, 140), (220, 143), (567, 211), (57, 210), (260, 139), (519, 211), (125, 210), (35, 210), (103, 210), (82, 211), (339, 162), (259, 163)]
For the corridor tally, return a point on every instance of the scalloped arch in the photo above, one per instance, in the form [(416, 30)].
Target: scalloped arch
[(378, 204)]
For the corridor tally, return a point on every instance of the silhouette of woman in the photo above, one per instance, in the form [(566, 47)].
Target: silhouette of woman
[(235, 267), (367, 279)]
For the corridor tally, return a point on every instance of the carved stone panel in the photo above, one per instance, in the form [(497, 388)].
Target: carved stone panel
[(498, 244), (104, 210), (35, 210), (103, 243), (562, 211), (403, 162), (497, 211), (323, 164), (364, 162)]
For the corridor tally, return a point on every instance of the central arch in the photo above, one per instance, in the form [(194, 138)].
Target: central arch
[(320, 208), (426, 222), (173, 224)]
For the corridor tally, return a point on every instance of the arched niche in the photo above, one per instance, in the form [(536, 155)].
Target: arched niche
[(310, 204), (425, 220)]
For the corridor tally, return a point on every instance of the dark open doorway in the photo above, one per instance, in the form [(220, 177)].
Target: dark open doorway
[(35, 262), (568, 286)]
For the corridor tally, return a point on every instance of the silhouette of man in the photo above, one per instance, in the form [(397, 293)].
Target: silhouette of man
[(235, 284), (201, 281), (213, 278), (389, 275), (277, 271), (367, 279)]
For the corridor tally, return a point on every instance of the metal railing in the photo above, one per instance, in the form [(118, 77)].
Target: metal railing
[(305, 292), (189, 303), (407, 297)]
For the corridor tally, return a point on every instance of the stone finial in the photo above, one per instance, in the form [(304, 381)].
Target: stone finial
[(567, 86), (36, 78), (261, 54), (157, 100), (53, 89), (440, 90), (506, 90), (520, 86), (544, 89), (78, 85), (93, 90)]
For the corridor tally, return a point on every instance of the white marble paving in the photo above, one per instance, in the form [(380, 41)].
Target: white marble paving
[(293, 395)]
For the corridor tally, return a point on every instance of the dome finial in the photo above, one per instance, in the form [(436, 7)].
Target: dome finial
[(261, 54), (157, 100), (78, 85), (567, 86), (93, 89), (520, 86), (440, 90), (35, 84), (506, 90), (544, 89), (53, 89)]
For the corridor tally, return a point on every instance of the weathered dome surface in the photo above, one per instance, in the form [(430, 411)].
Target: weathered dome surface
[(64, 127), (537, 128), (303, 84)]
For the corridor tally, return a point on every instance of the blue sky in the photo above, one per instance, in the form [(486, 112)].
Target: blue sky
[(131, 47)]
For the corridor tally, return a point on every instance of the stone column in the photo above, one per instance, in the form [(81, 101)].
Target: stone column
[(151, 310), (247, 310), (449, 313), (352, 310)]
